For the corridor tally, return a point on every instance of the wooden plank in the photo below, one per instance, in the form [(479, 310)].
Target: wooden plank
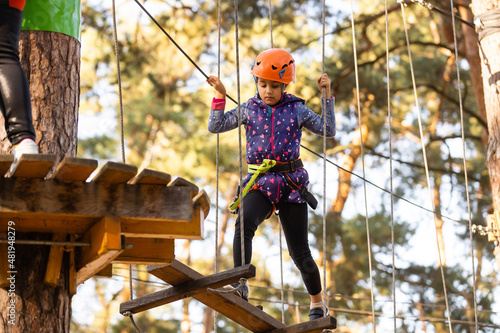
[(150, 251), (230, 305), (181, 182), (55, 261), (148, 176), (106, 245), (75, 169), (187, 289), (5, 163), (33, 166), (313, 326), (168, 229), (202, 201), (49, 196), (72, 269), (115, 173)]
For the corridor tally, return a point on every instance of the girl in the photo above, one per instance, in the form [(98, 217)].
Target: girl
[(273, 122), (15, 100)]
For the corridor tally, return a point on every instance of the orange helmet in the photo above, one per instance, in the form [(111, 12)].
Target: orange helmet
[(275, 65)]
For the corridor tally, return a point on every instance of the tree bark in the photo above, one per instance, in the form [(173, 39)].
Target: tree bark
[(490, 68), (51, 62)]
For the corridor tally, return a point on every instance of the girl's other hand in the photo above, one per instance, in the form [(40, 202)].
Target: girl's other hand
[(218, 86), (324, 82)]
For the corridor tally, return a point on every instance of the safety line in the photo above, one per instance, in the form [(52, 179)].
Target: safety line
[(217, 160), (118, 71), (427, 176), (367, 222), (465, 163), (389, 121)]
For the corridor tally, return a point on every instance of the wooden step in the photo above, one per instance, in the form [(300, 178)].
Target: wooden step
[(33, 166), (75, 169), (230, 305)]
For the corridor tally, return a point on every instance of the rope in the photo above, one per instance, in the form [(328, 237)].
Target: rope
[(217, 160), (465, 164), (323, 112), (279, 220), (389, 120), (363, 166), (122, 137), (487, 23), (426, 165), (241, 215)]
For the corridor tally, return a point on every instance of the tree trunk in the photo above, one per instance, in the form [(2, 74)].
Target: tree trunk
[(490, 68), (51, 62)]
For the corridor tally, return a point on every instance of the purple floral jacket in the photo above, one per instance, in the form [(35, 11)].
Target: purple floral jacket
[(274, 132)]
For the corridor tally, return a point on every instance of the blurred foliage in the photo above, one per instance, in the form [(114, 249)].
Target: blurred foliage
[(166, 105)]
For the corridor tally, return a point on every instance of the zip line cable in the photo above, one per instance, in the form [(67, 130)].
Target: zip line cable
[(427, 176), (465, 164), (177, 45), (367, 222)]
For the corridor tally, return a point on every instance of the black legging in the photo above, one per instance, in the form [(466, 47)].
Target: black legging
[(293, 216), (15, 101)]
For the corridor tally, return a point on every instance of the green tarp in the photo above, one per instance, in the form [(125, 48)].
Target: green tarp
[(53, 15)]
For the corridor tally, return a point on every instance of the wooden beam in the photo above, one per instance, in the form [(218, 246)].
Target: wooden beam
[(230, 305), (114, 173), (168, 229), (4, 265), (55, 261), (149, 251), (33, 166), (187, 289), (106, 245), (148, 176), (75, 169), (313, 326), (72, 269), (106, 272), (5, 163), (95, 199)]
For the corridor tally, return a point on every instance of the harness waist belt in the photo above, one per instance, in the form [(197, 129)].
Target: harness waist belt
[(284, 167)]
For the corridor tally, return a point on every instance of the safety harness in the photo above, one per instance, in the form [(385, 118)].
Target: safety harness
[(271, 166)]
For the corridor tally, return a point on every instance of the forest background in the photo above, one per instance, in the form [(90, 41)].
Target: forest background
[(166, 103)]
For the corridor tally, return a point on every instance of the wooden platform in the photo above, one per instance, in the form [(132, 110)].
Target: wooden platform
[(127, 217), (186, 282)]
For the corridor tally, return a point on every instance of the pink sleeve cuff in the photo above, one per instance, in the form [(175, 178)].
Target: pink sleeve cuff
[(218, 104)]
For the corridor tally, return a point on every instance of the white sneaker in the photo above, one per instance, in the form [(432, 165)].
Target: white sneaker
[(27, 146)]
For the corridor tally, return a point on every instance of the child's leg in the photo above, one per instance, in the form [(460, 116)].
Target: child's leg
[(293, 218), (256, 207), (15, 102)]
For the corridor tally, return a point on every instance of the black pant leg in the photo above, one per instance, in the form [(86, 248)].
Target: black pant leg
[(256, 207), (15, 99), (294, 220)]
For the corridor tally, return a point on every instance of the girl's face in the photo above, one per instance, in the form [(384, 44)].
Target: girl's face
[(269, 91)]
